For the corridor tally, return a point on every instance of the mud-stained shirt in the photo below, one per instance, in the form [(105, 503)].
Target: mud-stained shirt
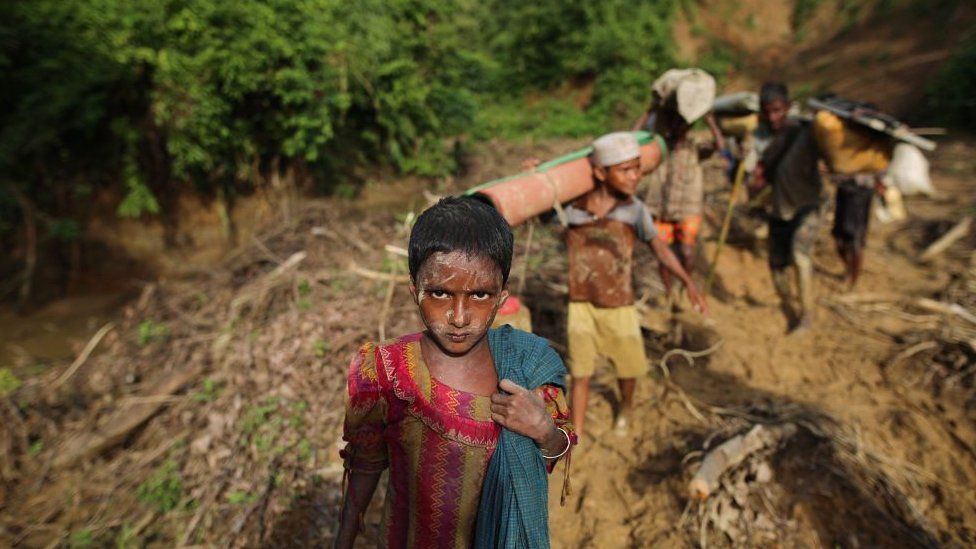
[(601, 252), (790, 162)]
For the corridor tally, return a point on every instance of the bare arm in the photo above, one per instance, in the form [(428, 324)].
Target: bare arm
[(639, 124), (359, 492), (716, 132), (524, 412), (671, 263)]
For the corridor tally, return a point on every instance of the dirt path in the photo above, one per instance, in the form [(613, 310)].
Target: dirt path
[(630, 490), (247, 453)]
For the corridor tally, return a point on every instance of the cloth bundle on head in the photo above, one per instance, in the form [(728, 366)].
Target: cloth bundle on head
[(614, 148), (690, 91)]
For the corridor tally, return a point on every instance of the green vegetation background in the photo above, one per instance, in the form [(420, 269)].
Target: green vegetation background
[(215, 94), (147, 98)]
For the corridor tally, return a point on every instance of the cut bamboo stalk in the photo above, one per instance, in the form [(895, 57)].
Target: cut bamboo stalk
[(731, 453), (942, 244)]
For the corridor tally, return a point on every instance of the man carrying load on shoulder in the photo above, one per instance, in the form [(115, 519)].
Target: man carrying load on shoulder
[(786, 160), (857, 159), (680, 97), (603, 226)]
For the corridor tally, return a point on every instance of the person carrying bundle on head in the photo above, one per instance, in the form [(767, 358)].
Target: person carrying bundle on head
[(676, 196)]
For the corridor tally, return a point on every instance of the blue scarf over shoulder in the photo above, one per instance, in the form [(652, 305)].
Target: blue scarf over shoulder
[(514, 507)]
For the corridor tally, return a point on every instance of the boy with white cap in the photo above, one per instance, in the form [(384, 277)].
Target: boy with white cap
[(603, 226)]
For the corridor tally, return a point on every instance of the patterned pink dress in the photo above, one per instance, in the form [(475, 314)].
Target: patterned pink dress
[(435, 439)]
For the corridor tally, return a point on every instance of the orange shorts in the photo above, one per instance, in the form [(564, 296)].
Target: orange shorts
[(684, 231)]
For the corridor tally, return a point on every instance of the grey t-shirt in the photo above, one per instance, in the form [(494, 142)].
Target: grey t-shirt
[(633, 212)]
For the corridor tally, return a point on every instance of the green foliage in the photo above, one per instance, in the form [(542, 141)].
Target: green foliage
[(138, 198), (614, 48), (240, 497), (35, 448), (81, 539), (8, 382), (718, 58), (258, 416), (208, 391), (127, 538), (150, 331), (163, 489), (149, 98), (304, 450), (803, 10), (949, 98), (322, 347)]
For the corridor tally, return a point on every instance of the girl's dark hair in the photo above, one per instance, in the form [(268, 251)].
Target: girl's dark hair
[(467, 224), (774, 91)]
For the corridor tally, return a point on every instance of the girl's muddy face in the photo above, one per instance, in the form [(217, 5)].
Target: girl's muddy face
[(458, 296)]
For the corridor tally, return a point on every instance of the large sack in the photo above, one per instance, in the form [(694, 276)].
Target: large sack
[(849, 149), (737, 126), (690, 92), (736, 104), (909, 171)]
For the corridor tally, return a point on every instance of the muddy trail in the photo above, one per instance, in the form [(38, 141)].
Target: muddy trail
[(209, 412)]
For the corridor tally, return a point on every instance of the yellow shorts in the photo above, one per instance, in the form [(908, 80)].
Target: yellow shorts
[(613, 332)]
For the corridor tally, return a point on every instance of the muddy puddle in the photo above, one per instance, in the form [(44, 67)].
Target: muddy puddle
[(54, 333)]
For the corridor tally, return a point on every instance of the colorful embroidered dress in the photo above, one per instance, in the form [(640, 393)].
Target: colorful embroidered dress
[(436, 440)]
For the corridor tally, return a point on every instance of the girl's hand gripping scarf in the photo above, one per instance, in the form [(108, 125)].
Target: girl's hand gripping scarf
[(514, 507)]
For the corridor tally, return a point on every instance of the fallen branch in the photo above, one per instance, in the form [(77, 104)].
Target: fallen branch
[(387, 302), (949, 309), (288, 264), (732, 452), (85, 353), (912, 351), (376, 275), (347, 238), (122, 422), (943, 242)]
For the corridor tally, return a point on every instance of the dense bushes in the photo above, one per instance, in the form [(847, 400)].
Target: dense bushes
[(205, 91), (149, 98)]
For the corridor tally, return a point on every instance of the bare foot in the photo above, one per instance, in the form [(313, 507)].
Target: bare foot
[(803, 326), (622, 425)]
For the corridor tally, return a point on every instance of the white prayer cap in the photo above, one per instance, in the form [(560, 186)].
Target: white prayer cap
[(692, 92), (614, 148)]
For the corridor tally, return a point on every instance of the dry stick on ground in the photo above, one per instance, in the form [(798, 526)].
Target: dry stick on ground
[(726, 224), (85, 353), (123, 421), (733, 452), (913, 350), (669, 385), (375, 275), (942, 244), (950, 309), (333, 234), (387, 301), (202, 510)]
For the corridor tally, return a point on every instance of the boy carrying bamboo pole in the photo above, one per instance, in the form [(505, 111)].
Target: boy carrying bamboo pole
[(603, 226)]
